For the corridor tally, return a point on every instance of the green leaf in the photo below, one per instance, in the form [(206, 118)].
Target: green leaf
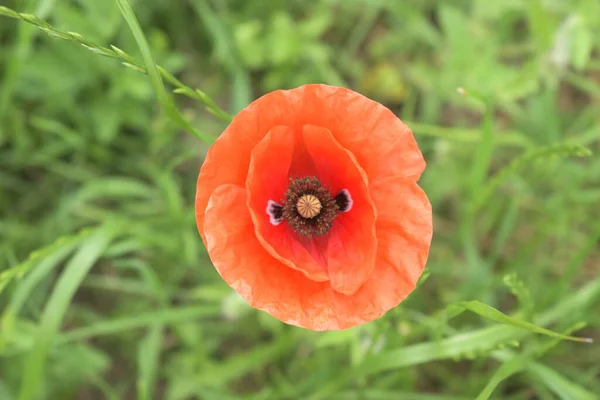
[(582, 43), (541, 25), (492, 314)]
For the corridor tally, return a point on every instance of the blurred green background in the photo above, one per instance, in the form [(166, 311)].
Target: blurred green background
[(106, 291)]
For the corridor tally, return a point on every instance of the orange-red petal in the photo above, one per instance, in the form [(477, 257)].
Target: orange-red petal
[(404, 226), (381, 143), (374, 140), (228, 158), (263, 281), (404, 229), (268, 180), (352, 243), (269, 285)]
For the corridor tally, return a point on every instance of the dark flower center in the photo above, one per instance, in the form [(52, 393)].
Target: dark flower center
[(309, 207)]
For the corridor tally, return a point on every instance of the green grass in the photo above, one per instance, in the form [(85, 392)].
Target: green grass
[(107, 109)]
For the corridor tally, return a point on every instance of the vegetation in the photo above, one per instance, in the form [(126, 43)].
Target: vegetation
[(106, 291)]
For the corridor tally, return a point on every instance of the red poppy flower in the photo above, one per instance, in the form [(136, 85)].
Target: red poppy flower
[(309, 207)]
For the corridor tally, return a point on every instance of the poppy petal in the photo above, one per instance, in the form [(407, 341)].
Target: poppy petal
[(268, 180), (362, 136), (228, 158), (404, 225), (263, 281), (352, 243), (404, 230), (267, 284), (382, 144)]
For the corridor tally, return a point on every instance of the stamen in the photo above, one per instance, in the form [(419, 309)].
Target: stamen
[(344, 201), (275, 212), (309, 206)]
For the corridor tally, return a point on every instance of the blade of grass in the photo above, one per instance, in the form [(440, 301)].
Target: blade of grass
[(241, 364), (361, 29), (478, 271), (128, 286), (115, 326), (577, 262), (165, 317), (148, 357), (493, 314), (474, 342), (224, 42), (25, 288), (557, 383), (18, 271), (164, 98), (548, 152), (126, 59), (25, 36), (517, 363), (54, 312), (508, 369), (105, 388), (468, 135), (504, 231), (564, 388), (459, 345), (485, 147), (377, 394)]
